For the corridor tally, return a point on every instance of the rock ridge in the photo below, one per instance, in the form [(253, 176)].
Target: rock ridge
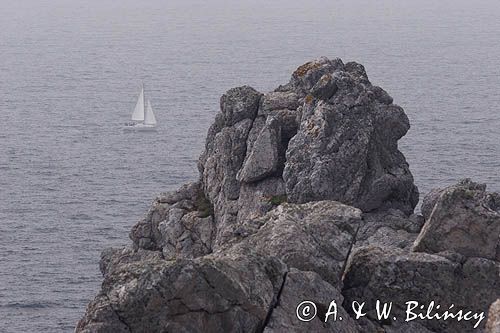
[(303, 194)]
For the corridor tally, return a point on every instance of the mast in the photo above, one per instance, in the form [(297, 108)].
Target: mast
[(143, 101)]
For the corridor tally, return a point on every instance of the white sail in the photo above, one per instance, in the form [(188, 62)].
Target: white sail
[(149, 117), (138, 114)]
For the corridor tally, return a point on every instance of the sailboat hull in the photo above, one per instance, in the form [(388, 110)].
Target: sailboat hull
[(139, 128)]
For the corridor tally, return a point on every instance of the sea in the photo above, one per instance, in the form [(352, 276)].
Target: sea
[(72, 182)]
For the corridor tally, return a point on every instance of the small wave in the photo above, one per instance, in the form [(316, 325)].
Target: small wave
[(29, 305), (80, 216)]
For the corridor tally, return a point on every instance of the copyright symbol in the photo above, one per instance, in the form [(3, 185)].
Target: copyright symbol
[(306, 311)]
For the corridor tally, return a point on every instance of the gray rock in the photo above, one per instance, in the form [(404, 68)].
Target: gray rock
[(263, 159), (429, 202), (355, 160), (223, 163), (111, 258), (277, 100), (325, 87), (239, 103), (315, 236), (273, 221), (257, 198), (101, 317), (493, 324), (308, 74), (346, 147), (308, 286), (390, 228), (211, 294), (179, 223), (187, 191), (226, 147), (189, 236), (465, 219), (392, 274), (219, 176)]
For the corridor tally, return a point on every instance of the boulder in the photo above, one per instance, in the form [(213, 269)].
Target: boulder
[(316, 236), (394, 275), (238, 104), (465, 219), (302, 286), (210, 294)]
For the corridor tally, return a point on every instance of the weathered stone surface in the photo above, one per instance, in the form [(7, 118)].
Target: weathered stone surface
[(429, 202), (239, 103), (111, 258), (316, 236), (179, 223), (190, 236), (307, 75), (257, 198), (325, 87), (328, 133), (298, 287), (493, 324), (411, 327), (211, 294), (277, 100), (392, 274), (101, 317), (263, 159), (346, 146), (220, 169), (465, 219), (389, 228)]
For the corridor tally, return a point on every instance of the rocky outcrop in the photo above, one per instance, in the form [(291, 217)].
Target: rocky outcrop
[(209, 294), (391, 274), (303, 195), (463, 217), (328, 134), (346, 145), (179, 223)]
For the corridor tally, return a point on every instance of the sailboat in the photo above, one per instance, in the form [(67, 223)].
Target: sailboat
[(143, 118)]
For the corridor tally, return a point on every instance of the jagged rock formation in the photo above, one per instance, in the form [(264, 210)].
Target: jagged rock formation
[(303, 195), (452, 261), (463, 216)]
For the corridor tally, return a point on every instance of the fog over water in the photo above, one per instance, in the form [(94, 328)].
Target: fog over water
[(72, 182)]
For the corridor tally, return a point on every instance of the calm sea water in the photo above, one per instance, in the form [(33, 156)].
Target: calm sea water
[(72, 182)]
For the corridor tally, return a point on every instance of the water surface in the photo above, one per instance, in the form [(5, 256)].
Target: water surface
[(72, 182)]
